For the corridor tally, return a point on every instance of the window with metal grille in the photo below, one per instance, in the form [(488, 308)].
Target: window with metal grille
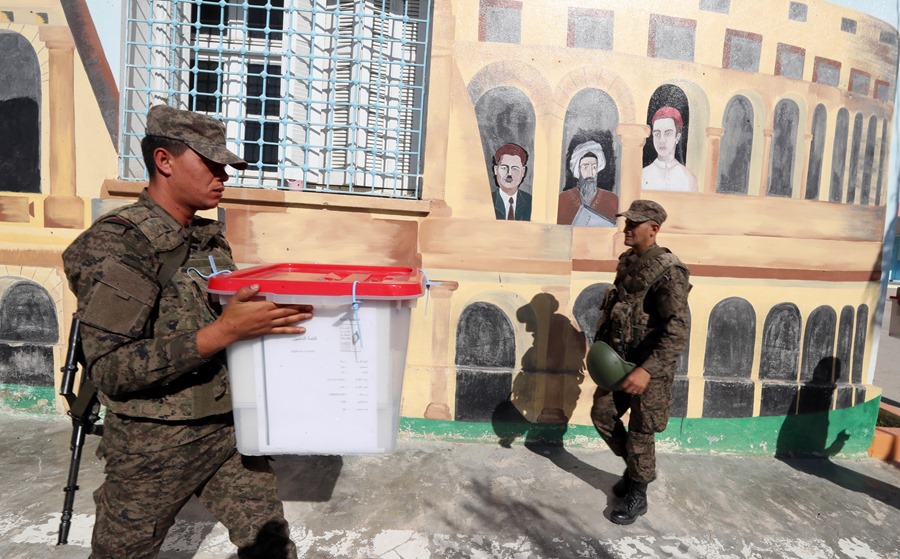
[(325, 95)]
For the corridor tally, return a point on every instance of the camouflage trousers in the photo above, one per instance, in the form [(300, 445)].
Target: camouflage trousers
[(142, 494), (649, 415)]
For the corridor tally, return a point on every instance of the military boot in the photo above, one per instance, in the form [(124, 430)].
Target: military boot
[(620, 489), (632, 506)]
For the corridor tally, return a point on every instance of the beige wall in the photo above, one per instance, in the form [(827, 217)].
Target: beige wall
[(765, 250)]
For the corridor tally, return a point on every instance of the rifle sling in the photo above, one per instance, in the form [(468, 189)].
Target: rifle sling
[(172, 260)]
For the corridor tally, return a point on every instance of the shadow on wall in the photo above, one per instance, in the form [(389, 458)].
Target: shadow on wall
[(557, 352), (806, 433), (803, 441)]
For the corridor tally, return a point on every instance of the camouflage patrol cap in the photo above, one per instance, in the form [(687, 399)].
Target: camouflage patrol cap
[(200, 132), (644, 210)]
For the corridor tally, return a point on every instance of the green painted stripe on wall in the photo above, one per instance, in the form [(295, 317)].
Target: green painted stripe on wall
[(847, 432), (32, 399)]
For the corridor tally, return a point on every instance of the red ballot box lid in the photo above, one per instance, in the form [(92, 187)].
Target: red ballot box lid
[(324, 279)]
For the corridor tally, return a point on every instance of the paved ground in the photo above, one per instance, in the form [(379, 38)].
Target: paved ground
[(433, 499)]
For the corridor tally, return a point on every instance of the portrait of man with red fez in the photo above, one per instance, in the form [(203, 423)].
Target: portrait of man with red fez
[(666, 172)]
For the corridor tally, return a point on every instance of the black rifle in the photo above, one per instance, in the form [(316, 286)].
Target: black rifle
[(84, 409)]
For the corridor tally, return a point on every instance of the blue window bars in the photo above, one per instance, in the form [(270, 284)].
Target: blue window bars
[(325, 95)]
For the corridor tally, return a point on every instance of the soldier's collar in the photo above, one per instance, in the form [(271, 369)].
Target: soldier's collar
[(147, 200)]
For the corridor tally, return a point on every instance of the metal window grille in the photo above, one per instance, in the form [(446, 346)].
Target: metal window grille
[(324, 95)]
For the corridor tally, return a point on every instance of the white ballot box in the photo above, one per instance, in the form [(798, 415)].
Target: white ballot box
[(335, 389)]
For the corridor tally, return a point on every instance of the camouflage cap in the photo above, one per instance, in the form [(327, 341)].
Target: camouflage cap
[(200, 132), (644, 210)]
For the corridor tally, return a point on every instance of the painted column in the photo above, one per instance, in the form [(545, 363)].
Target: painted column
[(804, 175), (553, 410), (632, 137), (440, 293), (766, 156), (713, 145), (881, 180), (62, 208), (440, 80)]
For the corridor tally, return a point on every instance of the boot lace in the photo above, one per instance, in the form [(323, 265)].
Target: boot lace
[(631, 500)]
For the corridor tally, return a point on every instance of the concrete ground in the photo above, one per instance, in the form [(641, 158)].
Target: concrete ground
[(432, 499)]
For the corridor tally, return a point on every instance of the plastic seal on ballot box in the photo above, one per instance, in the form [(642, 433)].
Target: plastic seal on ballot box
[(336, 388)]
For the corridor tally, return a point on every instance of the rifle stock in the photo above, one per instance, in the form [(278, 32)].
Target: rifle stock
[(84, 409)]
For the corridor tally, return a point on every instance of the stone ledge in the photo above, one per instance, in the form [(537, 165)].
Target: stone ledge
[(886, 442), (886, 445), (262, 199)]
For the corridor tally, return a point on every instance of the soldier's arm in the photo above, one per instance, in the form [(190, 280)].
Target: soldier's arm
[(114, 278), (669, 297)]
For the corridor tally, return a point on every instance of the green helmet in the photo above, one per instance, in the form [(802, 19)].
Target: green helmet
[(606, 367)]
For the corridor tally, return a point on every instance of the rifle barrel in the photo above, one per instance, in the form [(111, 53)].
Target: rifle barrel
[(73, 357), (78, 435)]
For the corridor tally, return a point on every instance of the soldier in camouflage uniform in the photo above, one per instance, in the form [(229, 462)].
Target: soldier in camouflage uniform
[(154, 345), (644, 317)]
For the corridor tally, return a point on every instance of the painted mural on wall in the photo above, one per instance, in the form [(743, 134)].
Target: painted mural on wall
[(510, 168), (588, 196), (588, 182), (698, 105), (764, 129), (666, 172), (507, 134), (42, 79), (28, 332), (20, 123)]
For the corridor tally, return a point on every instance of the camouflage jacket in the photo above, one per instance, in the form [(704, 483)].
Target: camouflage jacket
[(645, 314), (140, 337)]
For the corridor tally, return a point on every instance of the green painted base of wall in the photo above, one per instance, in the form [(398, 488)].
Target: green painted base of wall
[(847, 433), (30, 399)]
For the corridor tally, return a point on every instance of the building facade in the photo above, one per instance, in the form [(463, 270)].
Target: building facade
[(373, 129)]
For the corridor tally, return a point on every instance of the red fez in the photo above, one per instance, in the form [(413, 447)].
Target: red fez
[(668, 112)]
